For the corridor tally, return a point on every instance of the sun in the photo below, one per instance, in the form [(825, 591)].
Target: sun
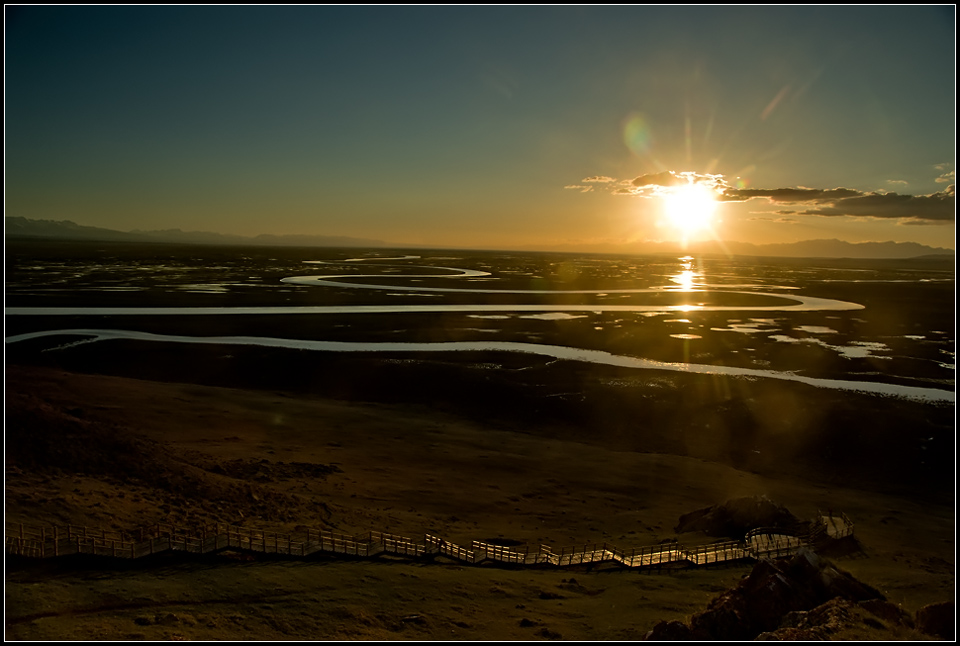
[(690, 209)]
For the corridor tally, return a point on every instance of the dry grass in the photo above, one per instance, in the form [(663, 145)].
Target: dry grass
[(142, 452)]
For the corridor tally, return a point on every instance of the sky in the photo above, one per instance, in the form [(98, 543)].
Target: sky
[(488, 127)]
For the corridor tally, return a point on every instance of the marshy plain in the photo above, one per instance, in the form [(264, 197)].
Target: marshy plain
[(531, 398)]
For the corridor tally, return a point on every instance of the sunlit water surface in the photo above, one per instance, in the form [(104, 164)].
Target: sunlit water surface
[(687, 281)]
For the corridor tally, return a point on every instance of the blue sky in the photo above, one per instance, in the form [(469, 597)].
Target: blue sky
[(479, 126)]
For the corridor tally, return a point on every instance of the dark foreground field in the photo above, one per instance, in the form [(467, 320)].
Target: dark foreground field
[(360, 445), (493, 446)]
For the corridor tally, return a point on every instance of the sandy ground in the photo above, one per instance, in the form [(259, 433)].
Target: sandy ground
[(119, 453)]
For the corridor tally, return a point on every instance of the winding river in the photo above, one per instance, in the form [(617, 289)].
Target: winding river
[(791, 302), (554, 351)]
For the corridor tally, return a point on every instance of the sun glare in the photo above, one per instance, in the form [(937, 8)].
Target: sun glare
[(689, 209), (687, 278)]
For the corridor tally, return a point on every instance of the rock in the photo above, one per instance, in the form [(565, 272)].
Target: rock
[(777, 595), (887, 611), (791, 635), (938, 619), (841, 584), (735, 517), (730, 619), (414, 619), (669, 631), (812, 625), (546, 633)]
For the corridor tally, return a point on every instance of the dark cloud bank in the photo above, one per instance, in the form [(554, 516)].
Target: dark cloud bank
[(937, 207)]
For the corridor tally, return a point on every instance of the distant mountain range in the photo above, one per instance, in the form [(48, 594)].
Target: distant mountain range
[(19, 227)]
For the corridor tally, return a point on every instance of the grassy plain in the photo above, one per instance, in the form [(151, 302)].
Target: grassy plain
[(513, 448)]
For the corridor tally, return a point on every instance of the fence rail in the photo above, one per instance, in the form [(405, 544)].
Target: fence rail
[(44, 542)]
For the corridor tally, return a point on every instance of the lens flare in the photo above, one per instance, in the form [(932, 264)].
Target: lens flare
[(637, 135)]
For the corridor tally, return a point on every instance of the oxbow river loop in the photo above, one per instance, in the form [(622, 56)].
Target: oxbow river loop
[(682, 283)]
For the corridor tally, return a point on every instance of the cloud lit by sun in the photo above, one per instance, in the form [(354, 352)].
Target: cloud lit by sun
[(685, 205)]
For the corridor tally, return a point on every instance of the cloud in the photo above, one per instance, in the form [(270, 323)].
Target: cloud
[(937, 207), (917, 222), (946, 177), (666, 178), (780, 220), (583, 189), (658, 184), (838, 202), (788, 195), (598, 178), (897, 182)]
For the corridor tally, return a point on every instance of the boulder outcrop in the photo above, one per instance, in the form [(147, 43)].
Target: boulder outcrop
[(735, 517), (766, 597)]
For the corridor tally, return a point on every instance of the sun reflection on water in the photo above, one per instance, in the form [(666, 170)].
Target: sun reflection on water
[(685, 279), (688, 277)]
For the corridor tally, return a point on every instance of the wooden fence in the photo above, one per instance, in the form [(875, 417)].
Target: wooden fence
[(43, 542)]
